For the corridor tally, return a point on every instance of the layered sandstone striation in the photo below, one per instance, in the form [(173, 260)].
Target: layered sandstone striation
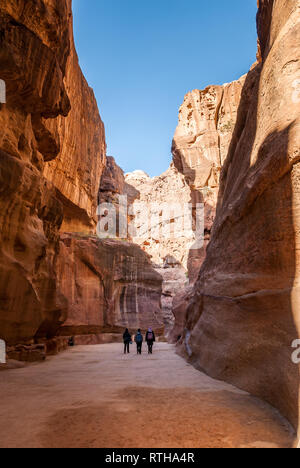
[(244, 313), (34, 46), (157, 225), (115, 194), (112, 183), (49, 101), (206, 122), (110, 285), (53, 160), (78, 167), (158, 210)]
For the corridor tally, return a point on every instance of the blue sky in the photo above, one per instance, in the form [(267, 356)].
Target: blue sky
[(141, 57)]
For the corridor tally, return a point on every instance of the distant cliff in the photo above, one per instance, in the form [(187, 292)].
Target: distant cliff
[(206, 122)]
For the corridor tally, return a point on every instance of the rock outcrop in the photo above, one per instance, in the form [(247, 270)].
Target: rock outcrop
[(150, 228), (207, 119), (52, 159), (244, 314), (110, 285), (49, 98), (158, 209), (112, 183), (114, 191), (78, 167), (34, 46), (206, 122)]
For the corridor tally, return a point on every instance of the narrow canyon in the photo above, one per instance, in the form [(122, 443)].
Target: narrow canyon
[(224, 303)]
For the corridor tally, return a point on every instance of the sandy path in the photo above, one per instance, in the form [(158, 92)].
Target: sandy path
[(96, 397)]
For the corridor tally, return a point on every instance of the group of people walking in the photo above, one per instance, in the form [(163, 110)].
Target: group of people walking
[(139, 339)]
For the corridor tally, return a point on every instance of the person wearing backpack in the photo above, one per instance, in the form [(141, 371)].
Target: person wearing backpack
[(150, 339), (127, 341), (139, 341)]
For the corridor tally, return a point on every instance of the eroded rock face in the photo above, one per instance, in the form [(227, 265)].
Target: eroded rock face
[(206, 122), (180, 310), (112, 182), (30, 218), (34, 44), (160, 203), (167, 190), (50, 126), (174, 283), (114, 191), (77, 170), (244, 314), (40, 67), (110, 285)]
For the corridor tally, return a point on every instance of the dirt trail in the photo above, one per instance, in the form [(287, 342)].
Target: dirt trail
[(96, 397)]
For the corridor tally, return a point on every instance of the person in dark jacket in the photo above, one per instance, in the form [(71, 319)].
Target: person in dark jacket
[(150, 339), (127, 341), (72, 341), (139, 341)]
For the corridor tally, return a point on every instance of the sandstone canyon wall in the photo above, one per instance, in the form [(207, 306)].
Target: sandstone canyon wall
[(53, 156), (78, 167), (114, 184), (206, 122), (207, 119), (244, 312), (153, 196), (34, 46), (157, 207), (110, 285)]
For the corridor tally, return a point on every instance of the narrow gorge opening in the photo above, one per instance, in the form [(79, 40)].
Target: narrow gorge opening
[(202, 257)]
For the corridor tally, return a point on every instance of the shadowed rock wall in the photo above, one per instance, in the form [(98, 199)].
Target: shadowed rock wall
[(244, 311)]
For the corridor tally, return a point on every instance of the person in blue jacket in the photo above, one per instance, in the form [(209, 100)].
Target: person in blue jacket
[(139, 341)]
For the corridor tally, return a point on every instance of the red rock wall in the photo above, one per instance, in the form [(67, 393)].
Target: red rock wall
[(110, 285), (50, 126), (207, 119), (206, 122), (40, 66), (52, 158), (169, 250), (34, 45), (244, 314), (77, 169)]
